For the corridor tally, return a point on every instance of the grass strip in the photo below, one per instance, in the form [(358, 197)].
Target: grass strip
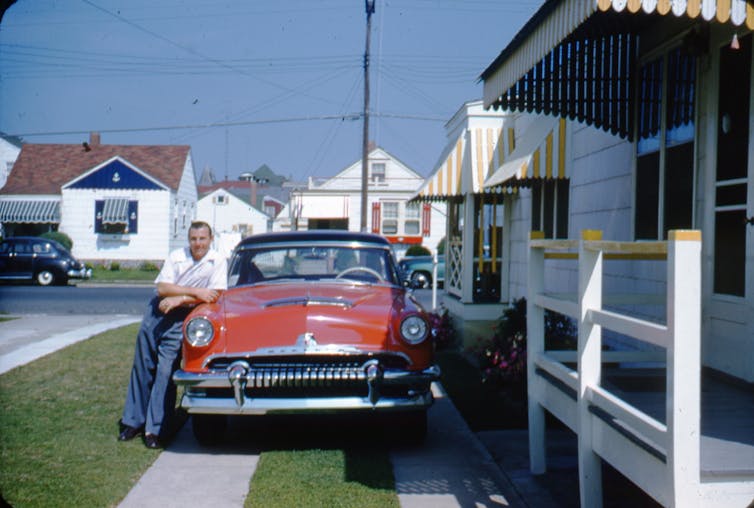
[(349, 477), (58, 427), (101, 274)]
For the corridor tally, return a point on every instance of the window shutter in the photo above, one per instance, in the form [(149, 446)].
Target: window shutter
[(376, 217), (426, 218), (133, 217), (99, 207)]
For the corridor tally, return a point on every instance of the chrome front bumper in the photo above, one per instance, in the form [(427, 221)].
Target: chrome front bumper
[(240, 376), (83, 273)]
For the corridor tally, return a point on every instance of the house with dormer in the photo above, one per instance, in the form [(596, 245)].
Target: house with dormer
[(124, 203), (335, 203)]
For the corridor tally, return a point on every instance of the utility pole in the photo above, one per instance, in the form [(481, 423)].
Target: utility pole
[(369, 5)]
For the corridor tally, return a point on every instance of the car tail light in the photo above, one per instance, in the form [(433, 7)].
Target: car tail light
[(414, 330), (199, 332)]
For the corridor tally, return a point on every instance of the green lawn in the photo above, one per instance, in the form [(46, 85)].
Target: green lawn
[(58, 427)]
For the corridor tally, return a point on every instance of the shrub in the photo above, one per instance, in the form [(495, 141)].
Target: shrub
[(114, 266), (441, 247), (442, 329), (59, 237), (502, 357), (418, 250), (148, 266)]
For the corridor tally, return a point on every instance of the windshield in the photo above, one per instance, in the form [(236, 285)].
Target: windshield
[(361, 264)]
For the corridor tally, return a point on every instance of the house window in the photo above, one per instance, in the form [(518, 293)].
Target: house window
[(116, 216), (270, 210), (378, 172), (221, 199), (665, 145), (390, 218), (549, 208), (412, 225)]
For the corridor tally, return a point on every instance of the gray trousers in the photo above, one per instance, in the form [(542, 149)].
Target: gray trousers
[(151, 392)]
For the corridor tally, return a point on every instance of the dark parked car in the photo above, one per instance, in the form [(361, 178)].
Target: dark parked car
[(417, 270), (39, 259), (311, 322)]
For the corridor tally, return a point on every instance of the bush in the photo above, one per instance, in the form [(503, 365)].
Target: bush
[(418, 250), (148, 266), (441, 247), (59, 237), (114, 266), (502, 357), (442, 329)]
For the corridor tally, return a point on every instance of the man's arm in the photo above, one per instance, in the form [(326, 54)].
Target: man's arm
[(174, 295)]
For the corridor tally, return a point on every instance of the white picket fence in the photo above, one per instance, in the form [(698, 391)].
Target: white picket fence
[(661, 458)]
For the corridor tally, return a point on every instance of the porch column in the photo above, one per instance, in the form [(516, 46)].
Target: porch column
[(683, 411), (469, 225), (590, 367)]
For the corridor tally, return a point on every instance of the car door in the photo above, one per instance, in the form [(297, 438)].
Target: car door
[(22, 259)]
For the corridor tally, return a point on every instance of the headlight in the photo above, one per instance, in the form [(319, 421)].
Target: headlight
[(199, 332), (414, 330)]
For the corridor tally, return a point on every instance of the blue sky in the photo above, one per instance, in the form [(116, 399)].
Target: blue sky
[(284, 77)]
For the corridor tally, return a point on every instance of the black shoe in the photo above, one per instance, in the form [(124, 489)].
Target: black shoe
[(127, 433), (152, 441)]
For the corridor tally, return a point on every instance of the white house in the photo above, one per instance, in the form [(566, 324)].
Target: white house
[(231, 218), (125, 203), (10, 147), (335, 203), (656, 98)]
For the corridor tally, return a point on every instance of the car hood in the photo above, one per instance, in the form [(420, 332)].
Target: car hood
[(280, 314)]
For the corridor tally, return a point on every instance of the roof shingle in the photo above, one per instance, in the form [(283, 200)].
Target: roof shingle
[(44, 168)]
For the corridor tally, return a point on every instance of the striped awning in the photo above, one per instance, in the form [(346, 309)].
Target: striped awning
[(115, 211), (556, 20), (455, 177), (30, 211), (445, 180), (540, 153)]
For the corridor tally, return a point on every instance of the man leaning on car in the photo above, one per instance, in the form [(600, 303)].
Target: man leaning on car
[(189, 276)]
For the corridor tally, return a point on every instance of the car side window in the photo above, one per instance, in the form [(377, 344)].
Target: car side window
[(41, 248), (23, 248)]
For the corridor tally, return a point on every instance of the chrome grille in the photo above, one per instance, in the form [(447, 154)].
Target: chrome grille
[(314, 375)]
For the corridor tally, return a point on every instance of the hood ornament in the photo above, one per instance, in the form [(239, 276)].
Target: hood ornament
[(306, 340)]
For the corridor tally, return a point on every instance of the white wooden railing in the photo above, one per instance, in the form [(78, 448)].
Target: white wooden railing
[(661, 458)]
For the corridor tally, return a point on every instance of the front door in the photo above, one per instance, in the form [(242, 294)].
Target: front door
[(730, 343)]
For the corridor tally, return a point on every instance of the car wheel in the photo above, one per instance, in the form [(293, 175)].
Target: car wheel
[(45, 278), (421, 280), (209, 429)]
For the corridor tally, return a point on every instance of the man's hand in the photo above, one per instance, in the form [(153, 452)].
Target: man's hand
[(198, 295), (171, 302), (206, 295)]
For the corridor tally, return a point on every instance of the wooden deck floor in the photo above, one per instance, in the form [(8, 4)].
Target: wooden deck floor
[(727, 444)]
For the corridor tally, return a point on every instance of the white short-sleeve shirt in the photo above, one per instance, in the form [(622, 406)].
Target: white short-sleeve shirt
[(209, 272)]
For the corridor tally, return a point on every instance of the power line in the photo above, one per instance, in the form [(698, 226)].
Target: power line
[(342, 117)]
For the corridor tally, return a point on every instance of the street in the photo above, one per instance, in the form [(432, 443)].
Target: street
[(66, 300)]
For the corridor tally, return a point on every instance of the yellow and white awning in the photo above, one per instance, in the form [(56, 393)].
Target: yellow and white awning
[(32, 211), (555, 21), (540, 153), (465, 164), (445, 180)]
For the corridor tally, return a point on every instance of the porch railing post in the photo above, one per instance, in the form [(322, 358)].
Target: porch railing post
[(683, 409), (535, 344), (590, 367)]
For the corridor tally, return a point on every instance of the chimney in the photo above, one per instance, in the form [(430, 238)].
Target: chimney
[(94, 139)]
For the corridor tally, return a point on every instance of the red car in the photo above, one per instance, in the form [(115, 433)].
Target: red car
[(312, 322)]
